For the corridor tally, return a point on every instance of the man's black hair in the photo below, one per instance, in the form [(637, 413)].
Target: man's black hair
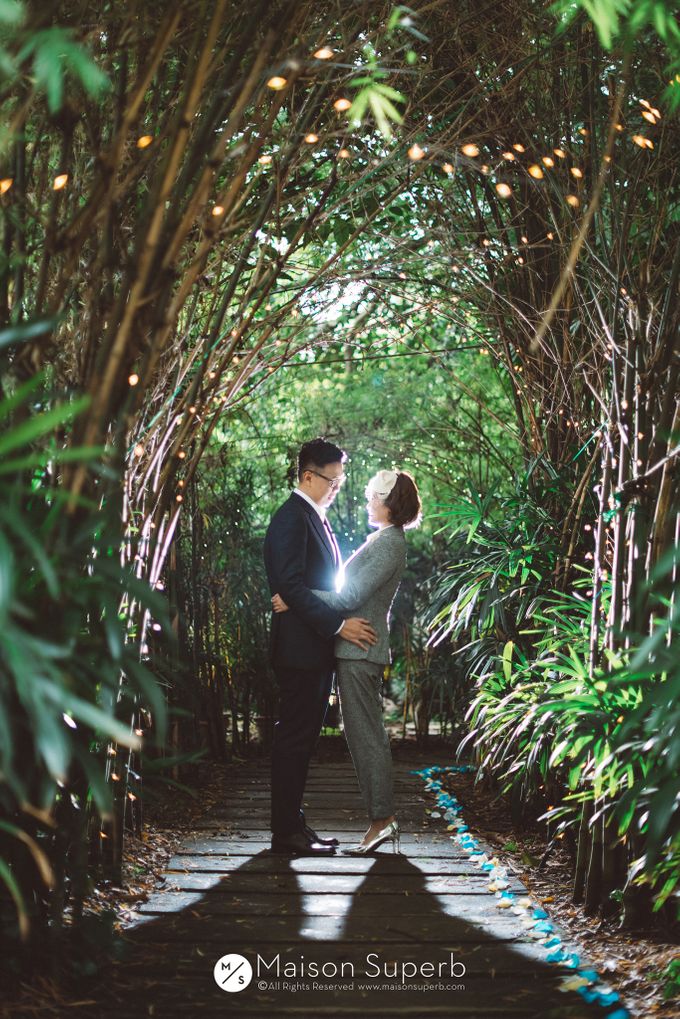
[(318, 453)]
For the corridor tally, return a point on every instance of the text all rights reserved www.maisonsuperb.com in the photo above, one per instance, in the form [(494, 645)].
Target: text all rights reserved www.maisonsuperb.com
[(295, 986)]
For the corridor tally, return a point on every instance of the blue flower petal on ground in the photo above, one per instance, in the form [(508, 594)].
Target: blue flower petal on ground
[(584, 981), (557, 956)]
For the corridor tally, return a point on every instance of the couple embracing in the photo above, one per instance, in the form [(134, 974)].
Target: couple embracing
[(318, 631)]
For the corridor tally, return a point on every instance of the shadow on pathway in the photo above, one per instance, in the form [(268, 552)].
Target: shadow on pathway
[(341, 936)]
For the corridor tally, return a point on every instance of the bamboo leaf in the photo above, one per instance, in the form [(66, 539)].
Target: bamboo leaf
[(24, 332), (93, 716), (40, 425), (41, 861), (12, 13), (10, 881)]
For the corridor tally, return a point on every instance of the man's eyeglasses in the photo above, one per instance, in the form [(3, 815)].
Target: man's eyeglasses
[(333, 482)]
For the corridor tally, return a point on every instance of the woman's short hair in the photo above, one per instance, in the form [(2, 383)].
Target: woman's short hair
[(404, 503)]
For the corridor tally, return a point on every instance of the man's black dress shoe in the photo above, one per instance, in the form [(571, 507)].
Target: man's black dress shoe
[(298, 844), (311, 834)]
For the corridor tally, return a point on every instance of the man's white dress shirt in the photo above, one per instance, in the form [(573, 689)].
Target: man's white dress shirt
[(322, 514)]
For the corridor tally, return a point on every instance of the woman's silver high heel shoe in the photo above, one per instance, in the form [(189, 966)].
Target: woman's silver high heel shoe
[(390, 831)]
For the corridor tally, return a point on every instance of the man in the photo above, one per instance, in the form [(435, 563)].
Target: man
[(301, 553)]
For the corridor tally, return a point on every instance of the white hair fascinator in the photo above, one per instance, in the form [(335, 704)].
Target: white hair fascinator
[(381, 484)]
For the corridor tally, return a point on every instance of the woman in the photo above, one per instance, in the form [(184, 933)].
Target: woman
[(372, 576)]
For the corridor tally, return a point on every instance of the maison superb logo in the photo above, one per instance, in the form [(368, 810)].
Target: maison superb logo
[(233, 973)]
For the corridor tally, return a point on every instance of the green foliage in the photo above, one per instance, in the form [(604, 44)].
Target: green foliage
[(671, 979), (227, 600), (373, 94), (12, 13), (54, 55), (379, 347), (540, 718), (647, 743), (624, 21), (503, 550), (380, 99), (64, 640)]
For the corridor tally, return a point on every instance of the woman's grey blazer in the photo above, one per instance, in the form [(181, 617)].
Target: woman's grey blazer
[(372, 575)]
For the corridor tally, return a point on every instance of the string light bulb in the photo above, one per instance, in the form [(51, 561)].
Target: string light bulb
[(276, 82), (60, 181), (471, 150), (217, 210), (344, 154), (144, 141), (325, 53), (341, 104), (5, 185), (139, 450), (133, 379), (311, 138), (415, 152), (535, 171), (504, 190)]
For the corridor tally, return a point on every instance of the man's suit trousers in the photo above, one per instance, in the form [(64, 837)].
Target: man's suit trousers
[(303, 699)]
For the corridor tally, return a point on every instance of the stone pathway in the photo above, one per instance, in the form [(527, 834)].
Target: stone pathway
[(416, 934)]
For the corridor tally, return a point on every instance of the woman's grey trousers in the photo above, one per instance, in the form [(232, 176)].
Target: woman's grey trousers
[(360, 686)]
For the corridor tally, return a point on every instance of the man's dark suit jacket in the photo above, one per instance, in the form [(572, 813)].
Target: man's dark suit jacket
[(298, 556)]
